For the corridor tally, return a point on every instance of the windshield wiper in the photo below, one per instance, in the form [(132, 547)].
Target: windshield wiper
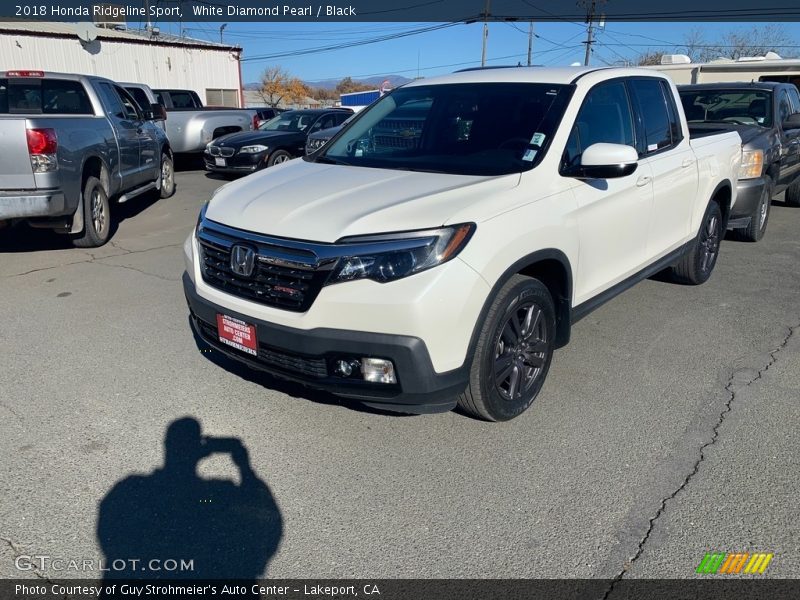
[(327, 160)]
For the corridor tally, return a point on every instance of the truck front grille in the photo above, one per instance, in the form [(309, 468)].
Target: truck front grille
[(271, 284)]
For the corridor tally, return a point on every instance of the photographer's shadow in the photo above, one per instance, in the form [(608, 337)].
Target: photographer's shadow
[(173, 524)]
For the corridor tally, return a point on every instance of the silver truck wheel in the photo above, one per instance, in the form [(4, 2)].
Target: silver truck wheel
[(96, 215)]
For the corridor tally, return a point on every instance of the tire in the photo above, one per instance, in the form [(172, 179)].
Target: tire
[(697, 264), (278, 157), (522, 306), (760, 216), (167, 176), (96, 215), (793, 193)]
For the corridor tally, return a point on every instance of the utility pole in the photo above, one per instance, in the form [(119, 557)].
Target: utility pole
[(589, 32), (485, 32), (221, 29), (591, 11), (530, 42)]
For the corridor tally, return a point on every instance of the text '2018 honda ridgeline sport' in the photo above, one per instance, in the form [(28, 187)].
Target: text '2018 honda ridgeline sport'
[(438, 249)]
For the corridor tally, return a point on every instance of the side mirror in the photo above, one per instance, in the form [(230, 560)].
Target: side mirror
[(606, 161), (792, 122), (155, 113)]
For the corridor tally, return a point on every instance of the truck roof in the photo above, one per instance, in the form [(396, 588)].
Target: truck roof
[(52, 74), (734, 85), (556, 75)]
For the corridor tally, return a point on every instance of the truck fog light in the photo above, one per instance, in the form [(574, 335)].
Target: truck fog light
[(345, 368), (378, 370)]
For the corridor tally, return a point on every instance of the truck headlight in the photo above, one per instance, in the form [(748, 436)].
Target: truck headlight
[(393, 256), (255, 149), (752, 164)]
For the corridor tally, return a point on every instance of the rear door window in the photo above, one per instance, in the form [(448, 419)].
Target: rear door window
[(794, 96), (44, 96), (182, 100), (651, 106)]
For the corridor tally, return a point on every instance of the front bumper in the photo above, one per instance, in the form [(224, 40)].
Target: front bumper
[(748, 195), (23, 205), (306, 356), (238, 163)]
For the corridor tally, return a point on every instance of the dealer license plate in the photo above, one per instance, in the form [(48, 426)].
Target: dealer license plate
[(237, 334), (220, 161)]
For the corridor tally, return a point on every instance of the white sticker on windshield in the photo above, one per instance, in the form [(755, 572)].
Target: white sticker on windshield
[(538, 139), (652, 147), (529, 155)]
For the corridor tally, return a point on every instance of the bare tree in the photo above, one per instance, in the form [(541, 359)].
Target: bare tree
[(755, 41), (650, 57)]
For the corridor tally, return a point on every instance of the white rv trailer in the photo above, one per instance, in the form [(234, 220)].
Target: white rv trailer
[(756, 68)]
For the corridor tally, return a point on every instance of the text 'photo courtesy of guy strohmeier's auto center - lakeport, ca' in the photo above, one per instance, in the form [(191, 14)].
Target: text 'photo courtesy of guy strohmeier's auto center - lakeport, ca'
[(469, 299)]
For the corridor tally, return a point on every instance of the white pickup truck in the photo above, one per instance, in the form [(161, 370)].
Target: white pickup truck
[(439, 248)]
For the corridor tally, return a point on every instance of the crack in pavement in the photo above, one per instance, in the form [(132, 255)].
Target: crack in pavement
[(95, 259), (18, 552), (730, 387), (173, 279)]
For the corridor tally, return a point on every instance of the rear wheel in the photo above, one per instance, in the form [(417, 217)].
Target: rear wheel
[(696, 265), (167, 176), (96, 215), (278, 157), (793, 193), (513, 353), (758, 219)]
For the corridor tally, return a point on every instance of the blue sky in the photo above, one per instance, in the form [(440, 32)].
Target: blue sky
[(444, 50)]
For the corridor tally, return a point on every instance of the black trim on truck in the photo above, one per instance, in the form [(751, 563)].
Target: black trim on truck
[(596, 302), (305, 356)]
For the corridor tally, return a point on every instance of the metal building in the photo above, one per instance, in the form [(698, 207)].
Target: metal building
[(156, 59)]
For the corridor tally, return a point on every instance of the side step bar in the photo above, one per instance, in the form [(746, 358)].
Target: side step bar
[(153, 185)]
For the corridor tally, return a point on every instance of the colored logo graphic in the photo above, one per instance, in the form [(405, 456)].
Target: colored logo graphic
[(719, 563)]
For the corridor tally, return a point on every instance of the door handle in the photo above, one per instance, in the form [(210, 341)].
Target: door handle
[(688, 162), (643, 181)]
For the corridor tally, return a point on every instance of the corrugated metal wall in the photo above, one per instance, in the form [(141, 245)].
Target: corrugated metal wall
[(156, 66)]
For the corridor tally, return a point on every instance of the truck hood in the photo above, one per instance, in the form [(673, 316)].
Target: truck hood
[(246, 138), (323, 203)]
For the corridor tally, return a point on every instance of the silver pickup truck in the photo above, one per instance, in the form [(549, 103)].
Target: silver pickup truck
[(190, 125), (72, 144)]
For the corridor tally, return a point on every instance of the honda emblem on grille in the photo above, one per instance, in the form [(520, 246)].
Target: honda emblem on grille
[(243, 260)]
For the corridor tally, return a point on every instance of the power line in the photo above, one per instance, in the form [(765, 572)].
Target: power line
[(351, 44)]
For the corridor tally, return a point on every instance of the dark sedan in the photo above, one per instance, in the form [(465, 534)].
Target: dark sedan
[(276, 141)]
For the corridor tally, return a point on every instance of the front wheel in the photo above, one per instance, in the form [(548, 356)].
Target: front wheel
[(278, 157), (513, 353), (697, 264), (758, 219)]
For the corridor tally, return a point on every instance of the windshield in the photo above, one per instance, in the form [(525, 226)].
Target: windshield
[(469, 129), (289, 121), (742, 107)]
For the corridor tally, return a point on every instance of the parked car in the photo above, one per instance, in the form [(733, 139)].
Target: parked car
[(766, 117), (265, 114), (71, 145), (189, 125), (274, 142), (419, 277), (318, 139)]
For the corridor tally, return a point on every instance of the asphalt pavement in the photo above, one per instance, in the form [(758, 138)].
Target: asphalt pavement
[(666, 429)]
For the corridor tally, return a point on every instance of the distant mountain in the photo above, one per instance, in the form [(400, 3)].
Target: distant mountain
[(329, 84)]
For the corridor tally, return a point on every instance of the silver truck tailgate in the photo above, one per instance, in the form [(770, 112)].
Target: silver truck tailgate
[(15, 163)]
